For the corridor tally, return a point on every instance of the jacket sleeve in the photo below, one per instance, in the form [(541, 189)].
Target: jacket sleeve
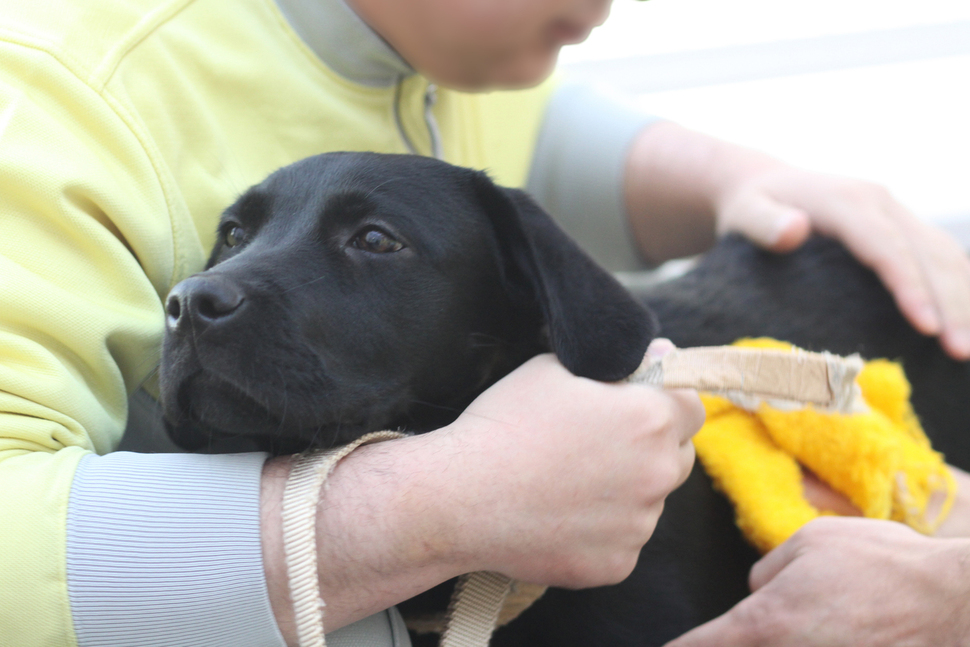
[(86, 253), (578, 169)]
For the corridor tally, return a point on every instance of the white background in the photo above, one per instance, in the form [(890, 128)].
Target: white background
[(904, 123)]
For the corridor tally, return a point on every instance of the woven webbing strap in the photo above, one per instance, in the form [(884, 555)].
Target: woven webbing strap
[(474, 609), (748, 374), (751, 374), (300, 498)]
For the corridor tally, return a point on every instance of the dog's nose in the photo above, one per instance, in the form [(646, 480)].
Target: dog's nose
[(206, 300)]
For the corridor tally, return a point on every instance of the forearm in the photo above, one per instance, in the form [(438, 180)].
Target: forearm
[(382, 533), (957, 522), (578, 170), (676, 181), (514, 486)]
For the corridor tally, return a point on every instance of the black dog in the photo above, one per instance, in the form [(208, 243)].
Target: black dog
[(354, 292)]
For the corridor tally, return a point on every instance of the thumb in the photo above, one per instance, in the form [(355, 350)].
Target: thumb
[(727, 629), (767, 223)]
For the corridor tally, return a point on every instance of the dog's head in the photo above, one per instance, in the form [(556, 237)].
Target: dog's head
[(352, 292)]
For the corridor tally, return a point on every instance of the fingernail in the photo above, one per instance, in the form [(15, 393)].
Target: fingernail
[(660, 347), (780, 226), (929, 319), (958, 341)]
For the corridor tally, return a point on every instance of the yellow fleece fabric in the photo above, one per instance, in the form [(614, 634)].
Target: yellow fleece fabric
[(125, 128), (880, 459)]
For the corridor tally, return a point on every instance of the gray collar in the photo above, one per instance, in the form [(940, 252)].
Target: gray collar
[(345, 42)]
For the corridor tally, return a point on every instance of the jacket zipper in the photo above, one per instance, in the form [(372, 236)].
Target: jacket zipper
[(434, 133)]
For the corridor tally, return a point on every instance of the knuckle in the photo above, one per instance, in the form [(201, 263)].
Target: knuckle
[(662, 415), (861, 192), (881, 194), (760, 619), (677, 415), (687, 458), (612, 568), (686, 410), (889, 253), (620, 566), (576, 571), (816, 531), (662, 479), (673, 476), (949, 254), (644, 527)]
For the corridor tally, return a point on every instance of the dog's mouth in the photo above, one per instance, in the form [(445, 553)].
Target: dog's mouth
[(220, 406), (207, 407)]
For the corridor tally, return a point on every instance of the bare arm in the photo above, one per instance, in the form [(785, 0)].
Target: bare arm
[(848, 581), (547, 477), (683, 188)]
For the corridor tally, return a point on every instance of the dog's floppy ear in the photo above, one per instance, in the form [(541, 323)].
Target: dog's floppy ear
[(596, 328)]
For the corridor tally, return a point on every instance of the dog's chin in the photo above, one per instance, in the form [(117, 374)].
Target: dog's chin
[(210, 413), (197, 437)]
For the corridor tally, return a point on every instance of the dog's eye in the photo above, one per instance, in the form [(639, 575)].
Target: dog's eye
[(235, 236), (376, 241)]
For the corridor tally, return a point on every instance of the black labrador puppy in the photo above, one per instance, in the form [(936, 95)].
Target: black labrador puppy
[(352, 292)]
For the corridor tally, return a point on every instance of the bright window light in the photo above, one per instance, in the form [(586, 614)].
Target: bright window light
[(878, 89)]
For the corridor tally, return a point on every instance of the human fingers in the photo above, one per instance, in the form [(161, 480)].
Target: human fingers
[(767, 222), (957, 522), (772, 563), (824, 534), (660, 347), (687, 399), (883, 244), (586, 467), (738, 628), (692, 414), (946, 270), (924, 269), (816, 532), (823, 497)]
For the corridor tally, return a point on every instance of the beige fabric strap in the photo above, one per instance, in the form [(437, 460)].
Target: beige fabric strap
[(747, 375), (300, 498), (752, 375), (474, 609)]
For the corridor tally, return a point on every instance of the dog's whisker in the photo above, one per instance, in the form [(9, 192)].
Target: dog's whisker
[(435, 406), (303, 285), (280, 427), (374, 189)]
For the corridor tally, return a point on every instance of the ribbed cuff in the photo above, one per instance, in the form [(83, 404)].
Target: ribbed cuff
[(165, 550), (578, 170)]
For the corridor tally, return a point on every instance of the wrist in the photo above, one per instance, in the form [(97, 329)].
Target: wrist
[(385, 527), (957, 522), (732, 168), (678, 182), (385, 530), (275, 473)]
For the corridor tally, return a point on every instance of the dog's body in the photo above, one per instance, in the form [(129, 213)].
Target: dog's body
[(355, 292)]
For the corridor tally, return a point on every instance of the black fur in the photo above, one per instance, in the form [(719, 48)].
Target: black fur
[(695, 566), (329, 340), (306, 334)]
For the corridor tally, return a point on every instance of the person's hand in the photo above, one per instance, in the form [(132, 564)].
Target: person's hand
[(926, 270), (571, 473), (848, 581), (682, 185), (546, 477)]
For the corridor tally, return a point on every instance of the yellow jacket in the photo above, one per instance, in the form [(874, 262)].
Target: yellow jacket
[(125, 128)]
